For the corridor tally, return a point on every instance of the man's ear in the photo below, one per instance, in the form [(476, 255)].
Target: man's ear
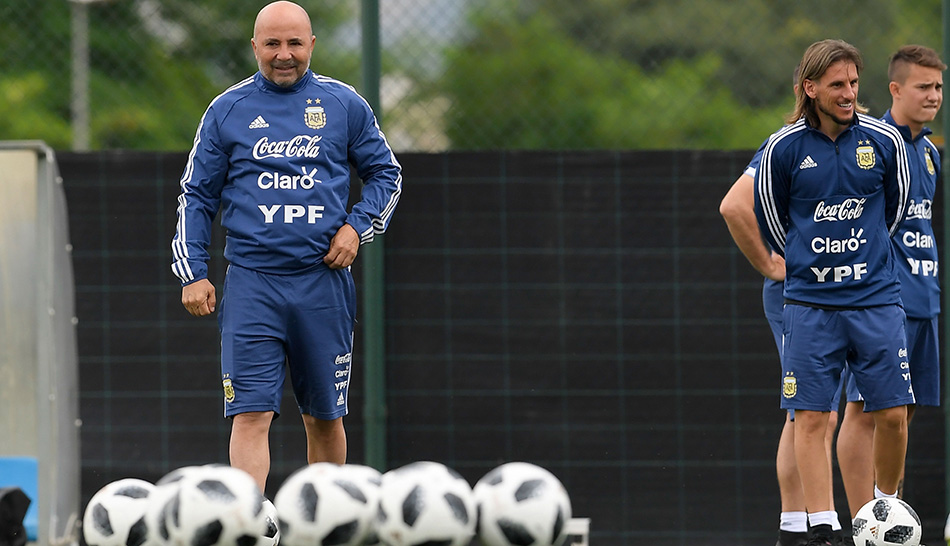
[(895, 89)]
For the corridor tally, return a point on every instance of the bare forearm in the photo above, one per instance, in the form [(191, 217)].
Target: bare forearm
[(738, 212)]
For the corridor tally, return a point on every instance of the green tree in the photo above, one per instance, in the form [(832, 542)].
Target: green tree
[(154, 65), (657, 73), (532, 86)]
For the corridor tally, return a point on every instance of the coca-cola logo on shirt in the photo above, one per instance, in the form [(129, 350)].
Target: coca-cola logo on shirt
[(849, 209), (298, 146), (919, 210)]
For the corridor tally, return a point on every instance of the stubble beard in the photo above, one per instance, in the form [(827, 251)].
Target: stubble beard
[(834, 117)]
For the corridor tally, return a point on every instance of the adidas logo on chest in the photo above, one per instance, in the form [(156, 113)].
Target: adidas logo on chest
[(258, 123), (808, 163)]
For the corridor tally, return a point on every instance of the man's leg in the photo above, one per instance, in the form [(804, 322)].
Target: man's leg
[(855, 455), (811, 427), (793, 521), (813, 467), (890, 447), (250, 447), (326, 440), (789, 482), (829, 440)]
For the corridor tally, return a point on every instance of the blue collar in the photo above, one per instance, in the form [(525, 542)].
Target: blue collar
[(268, 85), (905, 130)]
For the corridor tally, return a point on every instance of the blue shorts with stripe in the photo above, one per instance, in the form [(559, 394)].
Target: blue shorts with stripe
[(304, 320), (773, 303), (923, 351), (819, 343)]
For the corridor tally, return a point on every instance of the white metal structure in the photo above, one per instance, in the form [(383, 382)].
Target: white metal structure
[(38, 356)]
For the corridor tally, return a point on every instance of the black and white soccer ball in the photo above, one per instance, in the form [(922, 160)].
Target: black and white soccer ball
[(178, 474), (324, 504), (425, 503), (215, 505), (115, 515), (156, 523), (371, 480), (886, 522), (522, 504), (270, 536)]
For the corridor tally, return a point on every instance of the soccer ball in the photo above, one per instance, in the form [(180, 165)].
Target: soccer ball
[(166, 492), (886, 522), (114, 516), (215, 505), (371, 480), (156, 523), (324, 504), (178, 474), (270, 536), (520, 504), (425, 502)]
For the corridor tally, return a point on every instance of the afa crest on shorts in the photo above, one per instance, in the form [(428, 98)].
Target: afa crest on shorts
[(865, 157), (228, 390), (789, 386), (315, 117)]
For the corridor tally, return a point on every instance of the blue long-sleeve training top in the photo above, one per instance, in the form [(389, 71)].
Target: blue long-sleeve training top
[(915, 243), (276, 161), (830, 207)]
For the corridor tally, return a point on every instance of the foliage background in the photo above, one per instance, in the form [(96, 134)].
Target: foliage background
[(458, 74)]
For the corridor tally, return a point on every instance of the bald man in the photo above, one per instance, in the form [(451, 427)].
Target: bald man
[(273, 153)]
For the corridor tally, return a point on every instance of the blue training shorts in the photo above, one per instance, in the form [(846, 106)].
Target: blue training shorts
[(923, 350), (773, 303), (305, 320), (818, 343)]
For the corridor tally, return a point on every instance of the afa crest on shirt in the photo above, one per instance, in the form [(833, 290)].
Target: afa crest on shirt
[(228, 391), (789, 386), (315, 117), (930, 161), (865, 156)]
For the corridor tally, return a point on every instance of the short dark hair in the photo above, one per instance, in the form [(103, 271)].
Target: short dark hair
[(912, 54)]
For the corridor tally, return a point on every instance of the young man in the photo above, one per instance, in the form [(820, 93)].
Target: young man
[(916, 85), (274, 151), (737, 209), (830, 190)]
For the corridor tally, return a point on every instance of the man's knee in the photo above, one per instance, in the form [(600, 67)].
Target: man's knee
[(810, 423), (891, 418), (253, 420), (322, 427)]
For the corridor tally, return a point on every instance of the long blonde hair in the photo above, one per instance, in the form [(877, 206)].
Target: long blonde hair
[(816, 60)]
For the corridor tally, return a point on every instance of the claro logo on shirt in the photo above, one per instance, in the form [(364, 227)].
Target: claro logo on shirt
[(849, 209), (277, 181), (298, 146)]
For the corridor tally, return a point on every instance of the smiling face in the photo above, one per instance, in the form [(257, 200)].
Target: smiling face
[(283, 42), (916, 100), (835, 96)]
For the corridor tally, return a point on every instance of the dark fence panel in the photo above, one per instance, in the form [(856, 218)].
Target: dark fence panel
[(587, 312)]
